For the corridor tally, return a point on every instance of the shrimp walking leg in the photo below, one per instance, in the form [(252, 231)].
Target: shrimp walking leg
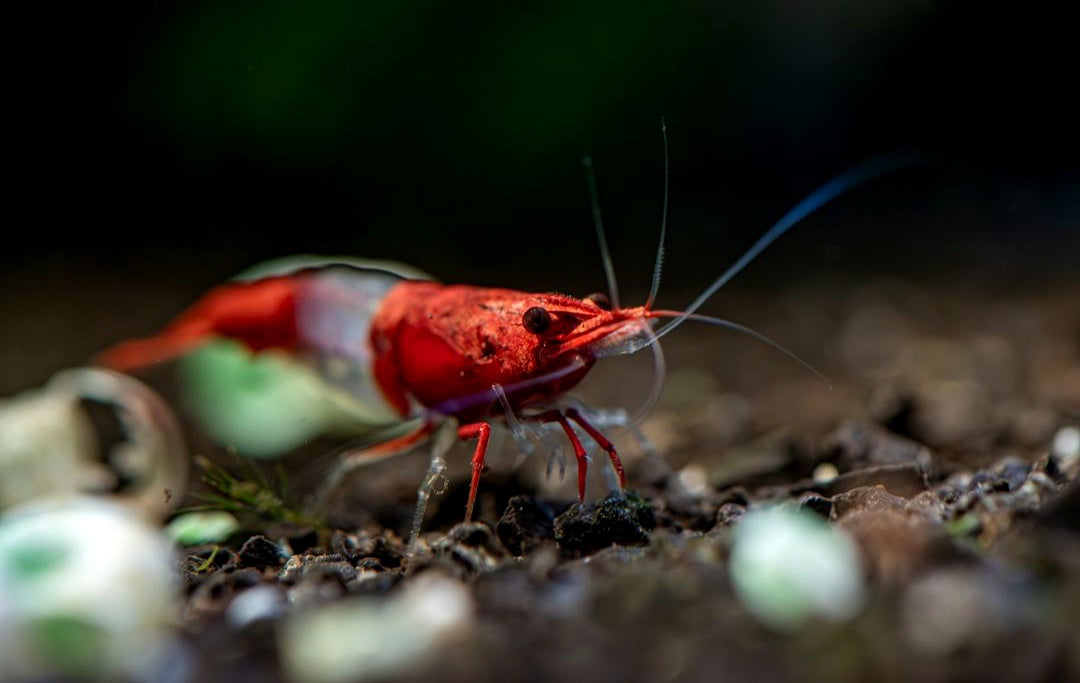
[(620, 419), (603, 442), (653, 470), (579, 450), (481, 431), (444, 439)]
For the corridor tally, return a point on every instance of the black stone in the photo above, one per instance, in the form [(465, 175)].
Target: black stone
[(259, 552), (621, 518), (729, 513), (525, 524)]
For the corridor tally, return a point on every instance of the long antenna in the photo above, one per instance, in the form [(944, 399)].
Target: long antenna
[(853, 177), (605, 254), (659, 266), (743, 329)]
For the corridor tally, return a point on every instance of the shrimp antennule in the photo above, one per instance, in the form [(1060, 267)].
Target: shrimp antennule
[(658, 267), (598, 221)]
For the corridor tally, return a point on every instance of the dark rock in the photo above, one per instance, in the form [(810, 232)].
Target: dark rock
[(302, 540), (467, 551), (982, 482), (729, 513), (525, 524), (386, 547), (736, 494), (1063, 511), (259, 552), (867, 499), (815, 502), (202, 561), (954, 488), (370, 564), (390, 553), (300, 566), (213, 594), (475, 535), (622, 518), (347, 545), (1010, 474), (1050, 465)]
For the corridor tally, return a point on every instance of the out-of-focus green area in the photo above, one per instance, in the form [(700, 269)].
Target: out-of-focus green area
[(309, 83)]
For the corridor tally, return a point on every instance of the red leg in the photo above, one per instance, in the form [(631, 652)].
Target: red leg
[(481, 431), (602, 440), (579, 450)]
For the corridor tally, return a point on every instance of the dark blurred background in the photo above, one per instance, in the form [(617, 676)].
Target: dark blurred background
[(160, 147)]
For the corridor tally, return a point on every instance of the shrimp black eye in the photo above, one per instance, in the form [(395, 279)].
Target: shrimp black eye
[(600, 299), (536, 320)]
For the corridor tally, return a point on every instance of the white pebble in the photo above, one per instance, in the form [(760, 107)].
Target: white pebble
[(1066, 447), (825, 473), (789, 566), (365, 639), (694, 479), (90, 572)]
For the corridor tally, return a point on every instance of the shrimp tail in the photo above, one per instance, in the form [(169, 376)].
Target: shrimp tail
[(135, 354), (261, 314)]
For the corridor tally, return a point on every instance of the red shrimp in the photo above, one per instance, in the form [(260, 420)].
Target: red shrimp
[(451, 351)]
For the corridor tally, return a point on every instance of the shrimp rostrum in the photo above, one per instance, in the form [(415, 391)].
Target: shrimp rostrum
[(406, 356)]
